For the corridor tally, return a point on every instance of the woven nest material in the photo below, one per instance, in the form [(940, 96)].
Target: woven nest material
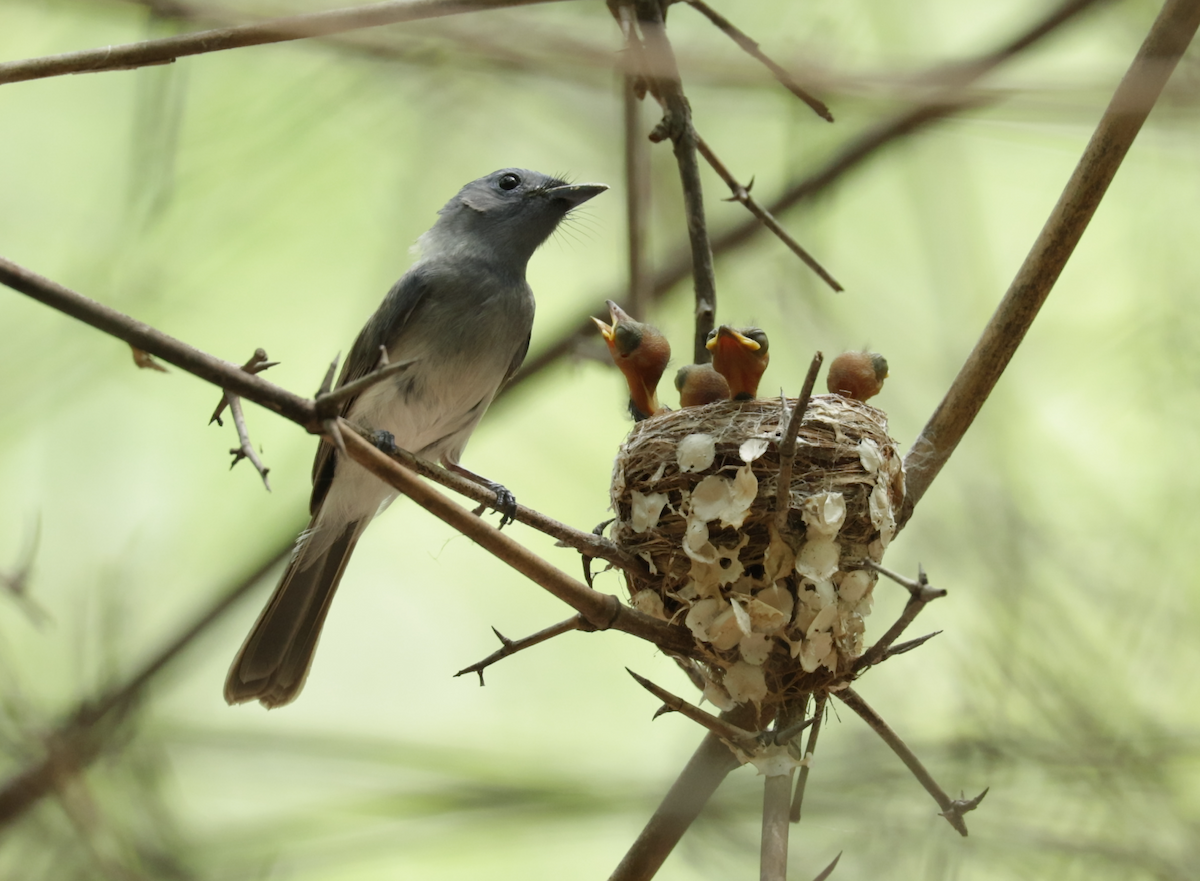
[(776, 611)]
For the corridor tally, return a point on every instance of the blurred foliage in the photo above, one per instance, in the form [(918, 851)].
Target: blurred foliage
[(267, 196)]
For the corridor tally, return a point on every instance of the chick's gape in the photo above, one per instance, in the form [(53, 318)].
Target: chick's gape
[(460, 319)]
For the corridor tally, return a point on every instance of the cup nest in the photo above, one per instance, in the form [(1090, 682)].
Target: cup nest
[(776, 607)]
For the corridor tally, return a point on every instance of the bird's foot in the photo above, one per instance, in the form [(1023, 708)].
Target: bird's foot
[(506, 503), (384, 441)]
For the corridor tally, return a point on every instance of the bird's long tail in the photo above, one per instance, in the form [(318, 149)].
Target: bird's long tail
[(274, 660)]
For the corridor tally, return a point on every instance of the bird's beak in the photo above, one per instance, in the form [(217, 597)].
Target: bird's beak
[(616, 314), (606, 330), (576, 194), (727, 332)]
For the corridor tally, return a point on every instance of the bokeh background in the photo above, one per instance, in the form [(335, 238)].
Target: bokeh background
[(268, 197)]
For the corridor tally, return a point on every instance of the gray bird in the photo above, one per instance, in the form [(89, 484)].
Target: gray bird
[(461, 319)]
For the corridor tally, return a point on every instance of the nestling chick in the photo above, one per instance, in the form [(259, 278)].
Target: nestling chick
[(699, 384), (641, 352), (857, 375), (741, 357)]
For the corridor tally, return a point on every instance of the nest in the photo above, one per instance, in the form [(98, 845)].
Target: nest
[(776, 608)]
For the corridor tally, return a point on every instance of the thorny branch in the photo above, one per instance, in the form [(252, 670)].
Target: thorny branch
[(920, 595), (809, 749), (746, 741), (655, 60), (277, 30), (752, 49), (945, 103), (512, 646), (82, 737), (952, 809), (787, 447), (742, 194), (257, 364)]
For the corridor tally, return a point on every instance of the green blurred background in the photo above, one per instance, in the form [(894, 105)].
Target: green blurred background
[(268, 197)]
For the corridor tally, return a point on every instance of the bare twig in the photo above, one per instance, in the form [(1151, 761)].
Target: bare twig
[(637, 199), (257, 363), (828, 870), (901, 648), (787, 448), (852, 156), (1166, 42), (602, 611), (708, 766), (661, 74), (952, 809), (277, 30), (512, 646), (809, 749), (742, 194), (747, 741), (752, 49), (201, 364), (16, 583), (77, 742), (245, 449), (777, 792), (920, 595), (328, 402)]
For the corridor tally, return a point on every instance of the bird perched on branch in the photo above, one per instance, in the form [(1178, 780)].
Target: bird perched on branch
[(699, 384), (461, 319), (857, 375), (740, 356), (641, 352)]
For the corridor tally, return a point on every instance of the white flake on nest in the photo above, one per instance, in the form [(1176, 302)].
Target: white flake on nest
[(695, 541), (645, 509), (724, 567), (818, 560), (755, 648), (774, 761), (882, 517), (659, 472), (696, 452), (870, 455), (718, 498), (824, 514), (745, 682), (769, 611), (701, 616), (718, 696), (854, 586), (816, 651), (779, 559), (753, 449), (823, 621), (650, 602), (726, 631)]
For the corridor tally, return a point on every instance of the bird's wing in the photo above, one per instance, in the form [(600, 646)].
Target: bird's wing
[(513, 367), (394, 314)]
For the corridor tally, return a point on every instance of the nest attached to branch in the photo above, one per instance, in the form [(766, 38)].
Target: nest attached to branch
[(776, 610)]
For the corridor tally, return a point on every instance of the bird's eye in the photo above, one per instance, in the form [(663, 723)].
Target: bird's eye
[(509, 181)]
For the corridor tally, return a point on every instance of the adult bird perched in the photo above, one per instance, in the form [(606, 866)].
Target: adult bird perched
[(857, 375), (699, 384), (740, 356), (641, 352), (460, 318)]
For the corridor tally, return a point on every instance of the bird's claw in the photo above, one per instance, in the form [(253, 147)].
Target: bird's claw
[(384, 441), (505, 504)]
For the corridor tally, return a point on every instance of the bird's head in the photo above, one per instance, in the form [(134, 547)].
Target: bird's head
[(740, 356), (505, 215)]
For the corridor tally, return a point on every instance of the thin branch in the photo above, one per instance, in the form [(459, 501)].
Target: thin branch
[(752, 49), (328, 402), (276, 30), (662, 77), (746, 741), (952, 809), (602, 611), (257, 363), (828, 870), (220, 373), (742, 194), (901, 648), (637, 198), (590, 544), (787, 449), (1166, 42), (245, 448), (920, 595), (512, 646), (777, 792), (688, 795), (77, 742), (852, 156), (810, 749), (16, 584)]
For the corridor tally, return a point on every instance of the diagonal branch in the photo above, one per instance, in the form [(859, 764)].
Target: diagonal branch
[(276, 30), (1166, 42), (510, 647)]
